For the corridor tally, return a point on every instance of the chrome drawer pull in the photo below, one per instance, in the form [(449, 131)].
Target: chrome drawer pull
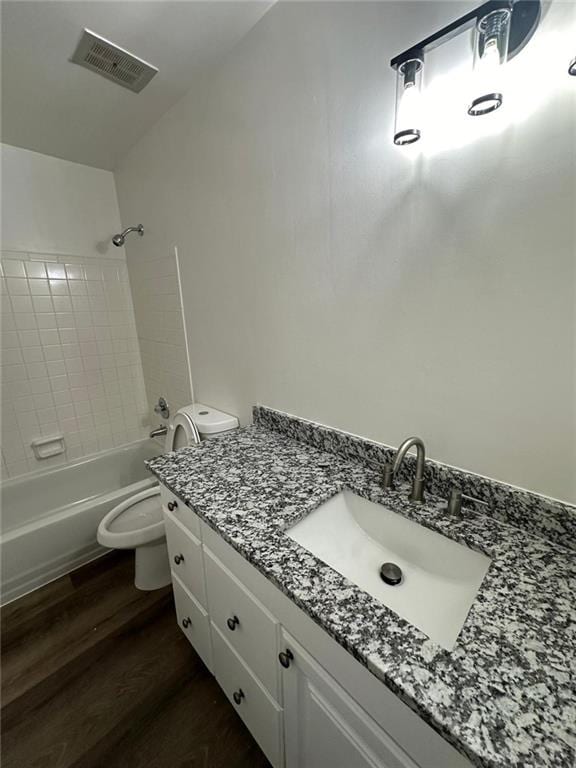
[(233, 623), (179, 559), (238, 696), (172, 505), (186, 623), (285, 657)]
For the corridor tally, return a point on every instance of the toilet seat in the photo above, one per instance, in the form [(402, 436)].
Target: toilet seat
[(134, 522), (182, 431)]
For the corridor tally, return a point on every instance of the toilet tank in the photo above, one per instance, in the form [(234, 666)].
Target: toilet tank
[(212, 423)]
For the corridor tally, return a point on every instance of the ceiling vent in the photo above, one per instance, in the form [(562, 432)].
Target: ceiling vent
[(112, 62)]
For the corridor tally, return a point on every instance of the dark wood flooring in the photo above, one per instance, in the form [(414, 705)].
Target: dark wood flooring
[(96, 673)]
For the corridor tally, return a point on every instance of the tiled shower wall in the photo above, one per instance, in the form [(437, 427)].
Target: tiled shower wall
[(160, 324), (70, 358)]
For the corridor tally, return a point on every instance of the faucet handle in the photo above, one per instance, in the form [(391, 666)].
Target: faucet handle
[(388, 477), (454, 506), (162, 408)]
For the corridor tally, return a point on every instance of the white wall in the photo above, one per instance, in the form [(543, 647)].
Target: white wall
[(70, 361), (54, 206), (381, 290)]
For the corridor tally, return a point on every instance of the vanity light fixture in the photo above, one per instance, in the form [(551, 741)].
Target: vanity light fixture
[(409, 99), (572, 67), (501, 29)]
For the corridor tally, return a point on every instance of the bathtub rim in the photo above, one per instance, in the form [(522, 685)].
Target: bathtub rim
[(40, 473), (77, 507)]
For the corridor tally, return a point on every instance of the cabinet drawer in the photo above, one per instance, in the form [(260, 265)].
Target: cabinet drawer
[(186, 559), (181, 512), (244, 622), (193, 621), (260, 713)]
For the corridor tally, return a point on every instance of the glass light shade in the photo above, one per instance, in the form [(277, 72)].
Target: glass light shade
[(407, 127), (490, 55)]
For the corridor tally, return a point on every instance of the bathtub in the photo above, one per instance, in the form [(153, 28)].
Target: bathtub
[(50, 519)]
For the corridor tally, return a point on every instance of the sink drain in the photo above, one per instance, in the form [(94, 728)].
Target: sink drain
[(391, 574)]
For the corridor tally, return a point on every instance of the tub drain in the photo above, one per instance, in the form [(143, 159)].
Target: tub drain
[(391, 574)]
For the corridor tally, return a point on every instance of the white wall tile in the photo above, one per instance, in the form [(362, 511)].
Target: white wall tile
[(35, 269), (39, 287), (68, 335), (75, 272), (60, 384), (9, 339), (17, 286), (38, 386), (29, 338), (57, 271), (25, 321), (13, 268), (32, 354), (62, 303), (48, 337), (22, 304), (70, 359), (53, 352), (60, 287), (11, 356), (36, 370), (46, 321), (40, 304)]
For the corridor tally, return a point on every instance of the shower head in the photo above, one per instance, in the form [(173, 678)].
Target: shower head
[(118, 240)]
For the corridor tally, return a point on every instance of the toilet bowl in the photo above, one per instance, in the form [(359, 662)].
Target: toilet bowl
[(138, 522)]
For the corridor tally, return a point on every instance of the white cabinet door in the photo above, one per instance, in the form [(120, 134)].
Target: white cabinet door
[(323, 726)]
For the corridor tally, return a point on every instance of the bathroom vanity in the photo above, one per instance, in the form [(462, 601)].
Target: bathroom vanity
[(290, 682), (325, 674)]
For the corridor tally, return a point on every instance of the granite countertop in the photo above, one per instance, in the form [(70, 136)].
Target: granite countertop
[(505, 695)]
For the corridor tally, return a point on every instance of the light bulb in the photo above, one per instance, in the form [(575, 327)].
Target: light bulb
[(408, 102), (490, 56)]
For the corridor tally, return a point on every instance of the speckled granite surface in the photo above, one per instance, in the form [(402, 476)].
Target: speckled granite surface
[(505, 696), (552, 519)]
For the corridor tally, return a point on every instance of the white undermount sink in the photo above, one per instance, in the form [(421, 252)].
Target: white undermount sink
[(440, 578)]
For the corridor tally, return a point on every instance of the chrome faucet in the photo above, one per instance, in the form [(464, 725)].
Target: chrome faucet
[(417, 493), (159, 431)]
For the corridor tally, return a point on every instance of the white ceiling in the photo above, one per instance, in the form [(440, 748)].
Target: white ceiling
[(52, 106)]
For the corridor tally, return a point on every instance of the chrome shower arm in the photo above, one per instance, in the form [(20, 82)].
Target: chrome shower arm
[(139, 229)]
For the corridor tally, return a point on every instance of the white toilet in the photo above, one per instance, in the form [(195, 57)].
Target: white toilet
[(137, 523)]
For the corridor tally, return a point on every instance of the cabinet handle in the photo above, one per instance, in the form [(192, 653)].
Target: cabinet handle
[(238, 696), (179, 559), (172, 505), (233, 623), (285, 657), (186, 623)]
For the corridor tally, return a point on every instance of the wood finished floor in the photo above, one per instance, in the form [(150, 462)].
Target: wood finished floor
[(96, 673)]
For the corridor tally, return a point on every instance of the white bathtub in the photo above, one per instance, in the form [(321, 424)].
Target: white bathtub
[(50, 519)]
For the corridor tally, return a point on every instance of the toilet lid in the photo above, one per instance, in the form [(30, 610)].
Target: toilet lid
[(139, 515)]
